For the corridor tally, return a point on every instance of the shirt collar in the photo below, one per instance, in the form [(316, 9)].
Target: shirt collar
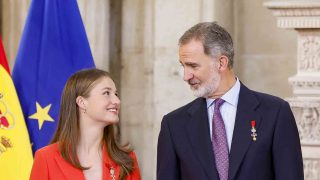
[(231, 96)]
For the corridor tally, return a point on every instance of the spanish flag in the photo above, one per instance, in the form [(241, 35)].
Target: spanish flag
[(15, 148)]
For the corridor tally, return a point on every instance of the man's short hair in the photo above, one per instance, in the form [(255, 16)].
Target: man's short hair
[(215, 39)]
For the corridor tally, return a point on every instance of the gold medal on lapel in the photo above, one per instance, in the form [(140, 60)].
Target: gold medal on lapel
[(112, 173), (253, 130)]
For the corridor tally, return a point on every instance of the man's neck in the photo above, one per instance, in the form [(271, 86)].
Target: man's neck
[(227, 82)]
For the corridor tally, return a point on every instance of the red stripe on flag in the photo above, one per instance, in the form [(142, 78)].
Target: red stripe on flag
[(3, 59)]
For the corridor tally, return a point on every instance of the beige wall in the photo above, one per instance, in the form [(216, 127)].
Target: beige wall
[(265, 54)]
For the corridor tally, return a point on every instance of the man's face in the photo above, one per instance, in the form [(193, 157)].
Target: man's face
[(200, 70)]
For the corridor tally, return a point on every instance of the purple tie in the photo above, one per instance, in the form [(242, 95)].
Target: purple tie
[(219, 141)]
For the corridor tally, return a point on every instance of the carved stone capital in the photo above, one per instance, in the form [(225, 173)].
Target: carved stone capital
[(306, 112), (305, 85), (296, 14), (311, 168), (309, 51)]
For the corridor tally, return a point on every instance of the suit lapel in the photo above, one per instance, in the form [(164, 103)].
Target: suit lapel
[(246, 112), (198, 133), (67, 169)]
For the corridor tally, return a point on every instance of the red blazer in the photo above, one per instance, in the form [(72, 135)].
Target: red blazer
[(49, 164)]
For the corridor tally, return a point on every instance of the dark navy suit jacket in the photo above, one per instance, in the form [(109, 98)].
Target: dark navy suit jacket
[(185, 151)]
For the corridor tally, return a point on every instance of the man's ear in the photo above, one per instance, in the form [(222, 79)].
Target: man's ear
[(223, 63), (81, 102)]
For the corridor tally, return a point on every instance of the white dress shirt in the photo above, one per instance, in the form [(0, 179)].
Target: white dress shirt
[(228, 110)]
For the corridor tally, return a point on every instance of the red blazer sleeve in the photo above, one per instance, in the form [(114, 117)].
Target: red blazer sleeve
[(39, 169), (135, 175)]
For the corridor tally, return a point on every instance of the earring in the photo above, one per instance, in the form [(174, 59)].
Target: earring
[(84, 111)]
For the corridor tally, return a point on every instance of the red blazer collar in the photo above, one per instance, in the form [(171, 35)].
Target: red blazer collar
[(67, 169), (73, 173)]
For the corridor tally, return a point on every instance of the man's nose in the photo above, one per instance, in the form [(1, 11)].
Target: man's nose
[(187, 75)]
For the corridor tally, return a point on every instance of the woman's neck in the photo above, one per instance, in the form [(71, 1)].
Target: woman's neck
[(90, 138)]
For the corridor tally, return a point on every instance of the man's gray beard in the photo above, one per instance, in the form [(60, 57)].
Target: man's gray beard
[(206, 90)]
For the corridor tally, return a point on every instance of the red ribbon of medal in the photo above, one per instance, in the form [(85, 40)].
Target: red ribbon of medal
[(253, 130)]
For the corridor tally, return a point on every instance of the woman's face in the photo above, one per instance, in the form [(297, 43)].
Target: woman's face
[(103, 103)]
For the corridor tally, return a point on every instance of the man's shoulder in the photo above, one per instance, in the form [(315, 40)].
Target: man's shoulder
[(184, 109), (268, 99)]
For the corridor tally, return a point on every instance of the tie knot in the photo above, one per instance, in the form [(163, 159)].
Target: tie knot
[(218, 103)]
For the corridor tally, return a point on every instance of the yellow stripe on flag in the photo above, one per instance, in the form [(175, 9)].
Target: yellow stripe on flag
[(15, 149)]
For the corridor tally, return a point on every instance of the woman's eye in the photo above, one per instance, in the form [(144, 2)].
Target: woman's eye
[(107, 93)]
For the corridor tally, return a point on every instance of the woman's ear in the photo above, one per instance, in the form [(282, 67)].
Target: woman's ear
[(81, 102)]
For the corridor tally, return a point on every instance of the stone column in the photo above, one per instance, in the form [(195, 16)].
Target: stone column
[(95, 16), (137, 107), (304, 17), (13, 14)]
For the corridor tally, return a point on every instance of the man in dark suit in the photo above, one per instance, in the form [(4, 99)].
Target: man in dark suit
[(229, 132)]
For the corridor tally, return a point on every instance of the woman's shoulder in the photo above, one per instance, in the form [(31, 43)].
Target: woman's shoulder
[(49, 149), (133, 155)]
